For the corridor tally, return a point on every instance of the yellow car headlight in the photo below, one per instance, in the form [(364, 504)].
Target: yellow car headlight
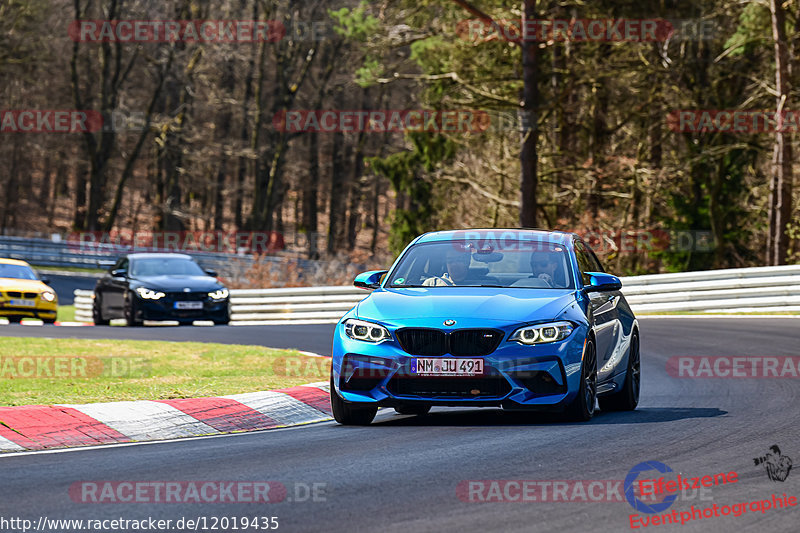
[(49, 296)]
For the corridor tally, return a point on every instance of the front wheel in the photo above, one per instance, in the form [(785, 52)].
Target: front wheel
[(130, 311), (351, 414), (582, 407), (628, 397)]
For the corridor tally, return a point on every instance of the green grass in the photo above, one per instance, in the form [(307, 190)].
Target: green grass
[(66, 313), (44, 371)]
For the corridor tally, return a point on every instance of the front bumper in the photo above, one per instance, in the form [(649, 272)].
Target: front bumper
[(164, 309), (544, 376), (40, 309)]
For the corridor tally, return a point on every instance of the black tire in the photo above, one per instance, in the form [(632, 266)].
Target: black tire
[(49, 320), (14, 320), (628, 396), (130, 311), (418, 410), (582, 407), (97, 312), (350, 414)]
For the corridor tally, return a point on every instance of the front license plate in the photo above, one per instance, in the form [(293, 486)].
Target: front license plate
[(188, 305), (22, 303), (424, 366)]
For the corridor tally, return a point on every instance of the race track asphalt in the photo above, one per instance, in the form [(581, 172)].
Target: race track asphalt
[(401, 473)]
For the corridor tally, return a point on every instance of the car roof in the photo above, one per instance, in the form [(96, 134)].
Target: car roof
[(6, 261), (162, 255), (495, 234)]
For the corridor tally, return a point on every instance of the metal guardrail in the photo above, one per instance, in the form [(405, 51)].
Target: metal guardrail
[(45, 252), (767, 289)]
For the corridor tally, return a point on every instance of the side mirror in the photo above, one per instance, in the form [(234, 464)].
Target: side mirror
[(211, 272), (370, 279), (119, 273), (601, 282), (44, 280)]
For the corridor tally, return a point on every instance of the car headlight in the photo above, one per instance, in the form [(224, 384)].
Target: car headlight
[(542, 333), (49, 296), (219, 294), (150, 294), (365, 331)]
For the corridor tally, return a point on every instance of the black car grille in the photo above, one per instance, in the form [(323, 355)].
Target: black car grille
[(461, 342), (187, 296), (418, 341), (450, 387), (17, 294)]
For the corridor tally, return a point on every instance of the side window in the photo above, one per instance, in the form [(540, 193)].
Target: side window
[(595, 262), (585, 263)]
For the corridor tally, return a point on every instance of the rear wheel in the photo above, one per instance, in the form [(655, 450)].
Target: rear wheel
[(97, 312), (351, 414), (582, 407), (628, 397), (418, 410)]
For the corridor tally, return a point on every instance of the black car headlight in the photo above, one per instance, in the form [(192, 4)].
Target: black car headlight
[(219, 294), (542, 333), (149, 294), (361, 330)]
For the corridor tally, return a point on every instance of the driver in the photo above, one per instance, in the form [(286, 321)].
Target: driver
[(457, 269), (545, 265)]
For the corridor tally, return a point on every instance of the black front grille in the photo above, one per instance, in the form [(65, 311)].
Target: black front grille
[(450, 387), (461, 342), (419, 341), (29, 295), (473, 342), (14, 294), (187, 296)]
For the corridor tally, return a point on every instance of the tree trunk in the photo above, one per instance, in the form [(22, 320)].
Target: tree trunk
[(780, 198), (530, 134), (310, 205)]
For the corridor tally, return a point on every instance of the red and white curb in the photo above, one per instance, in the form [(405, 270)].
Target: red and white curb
[(39, 427)]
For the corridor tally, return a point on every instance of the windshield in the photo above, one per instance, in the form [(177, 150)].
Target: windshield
[(467, 264), (16, 272), (167, 266)]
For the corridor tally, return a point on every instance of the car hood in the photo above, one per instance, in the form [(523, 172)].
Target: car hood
[(503, 305), (14, 284), (178, 283)]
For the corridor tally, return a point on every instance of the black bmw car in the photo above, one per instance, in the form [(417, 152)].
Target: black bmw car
[(152, 286)]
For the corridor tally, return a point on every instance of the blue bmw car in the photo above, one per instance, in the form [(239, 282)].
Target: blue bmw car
[(519, 319)]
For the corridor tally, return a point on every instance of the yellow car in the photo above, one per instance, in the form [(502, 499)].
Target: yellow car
[(22, 294)]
